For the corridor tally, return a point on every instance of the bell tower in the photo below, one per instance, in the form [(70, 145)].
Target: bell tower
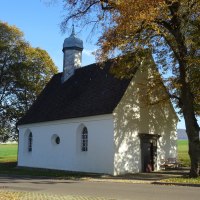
[(72, 55)]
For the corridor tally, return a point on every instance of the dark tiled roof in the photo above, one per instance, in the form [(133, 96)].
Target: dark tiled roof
[(90, 91)]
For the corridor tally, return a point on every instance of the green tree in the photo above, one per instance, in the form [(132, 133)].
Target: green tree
[(171, 29), (35, 72), (10, 42), (24, 71)]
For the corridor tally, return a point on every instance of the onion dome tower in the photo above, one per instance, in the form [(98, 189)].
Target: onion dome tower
[(72, 50)]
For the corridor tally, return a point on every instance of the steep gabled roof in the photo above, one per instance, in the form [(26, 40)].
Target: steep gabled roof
[(90, 91)]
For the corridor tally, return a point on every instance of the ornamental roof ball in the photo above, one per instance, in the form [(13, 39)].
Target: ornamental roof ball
[(73, 42)]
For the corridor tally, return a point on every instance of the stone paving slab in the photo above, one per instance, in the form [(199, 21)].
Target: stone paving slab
[(16, 195)]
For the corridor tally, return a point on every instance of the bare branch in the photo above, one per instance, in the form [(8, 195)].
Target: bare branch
[(78, 14)]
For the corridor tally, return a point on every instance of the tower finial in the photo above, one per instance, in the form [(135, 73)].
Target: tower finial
[(73, 32)]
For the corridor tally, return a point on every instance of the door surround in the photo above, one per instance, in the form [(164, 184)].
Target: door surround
[(148, 147)]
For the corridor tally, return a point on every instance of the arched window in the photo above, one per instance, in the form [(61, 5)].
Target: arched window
[(84, 139), (30, 140)]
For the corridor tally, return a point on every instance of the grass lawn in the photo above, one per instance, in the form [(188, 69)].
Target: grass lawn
[(183, 153), (183, 180), (8, 153)]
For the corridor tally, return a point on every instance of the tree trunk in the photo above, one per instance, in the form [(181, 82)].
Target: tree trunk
[(187, 107), (192, 127), (192, 130), (194, 154), (186, 96)]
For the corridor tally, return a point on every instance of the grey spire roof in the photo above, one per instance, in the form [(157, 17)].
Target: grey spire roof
[(73, 42)]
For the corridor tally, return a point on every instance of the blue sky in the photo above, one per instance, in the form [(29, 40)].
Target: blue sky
[(40, 24)]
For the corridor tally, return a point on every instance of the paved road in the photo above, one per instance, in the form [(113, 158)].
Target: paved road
[(108, 190)]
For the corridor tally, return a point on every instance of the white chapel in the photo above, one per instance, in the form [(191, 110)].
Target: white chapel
[(87, 120)]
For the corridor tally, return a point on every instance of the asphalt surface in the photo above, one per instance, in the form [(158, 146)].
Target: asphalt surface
[(94, 190)]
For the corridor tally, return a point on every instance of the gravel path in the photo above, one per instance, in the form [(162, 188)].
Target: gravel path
[(13, 195)]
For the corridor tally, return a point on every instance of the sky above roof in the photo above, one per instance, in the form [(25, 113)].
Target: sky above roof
[(40, 24)]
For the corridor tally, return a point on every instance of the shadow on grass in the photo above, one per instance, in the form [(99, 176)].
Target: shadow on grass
[(11, 169), (7, 165)]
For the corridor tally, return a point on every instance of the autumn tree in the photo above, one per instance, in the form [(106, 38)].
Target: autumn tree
[(24, 71), (170, 29)]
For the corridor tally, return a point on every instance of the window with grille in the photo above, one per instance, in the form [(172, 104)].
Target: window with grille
[(84, 139), (30, 141)]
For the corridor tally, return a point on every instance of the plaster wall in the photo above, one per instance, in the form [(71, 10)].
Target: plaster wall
[(68, 155), (133, 116)]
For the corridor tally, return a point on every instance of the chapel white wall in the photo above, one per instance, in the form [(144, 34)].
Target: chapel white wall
[(67, 155), (132, 116)]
